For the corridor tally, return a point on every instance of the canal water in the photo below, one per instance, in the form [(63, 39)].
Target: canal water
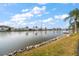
[(11, 41)]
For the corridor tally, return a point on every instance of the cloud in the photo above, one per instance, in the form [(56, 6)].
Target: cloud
[(19, 20), (21, 17), (43, 22), (48, 20), (25, 10), (38, 10), (61, 16), (1, 23), (8, 23)]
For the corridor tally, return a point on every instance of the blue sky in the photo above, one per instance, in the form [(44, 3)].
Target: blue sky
[(50, 15)]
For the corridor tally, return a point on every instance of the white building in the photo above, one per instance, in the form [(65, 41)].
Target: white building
[(4, 28)]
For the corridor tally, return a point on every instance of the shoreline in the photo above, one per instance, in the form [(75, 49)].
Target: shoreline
[(27, 48), (64, 46)]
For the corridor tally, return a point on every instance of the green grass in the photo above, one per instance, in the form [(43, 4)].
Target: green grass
[(66, 46)]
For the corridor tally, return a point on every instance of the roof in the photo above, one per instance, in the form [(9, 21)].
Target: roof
[(4, 26)]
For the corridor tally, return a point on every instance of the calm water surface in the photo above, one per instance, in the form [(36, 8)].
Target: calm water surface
[(10, 41)]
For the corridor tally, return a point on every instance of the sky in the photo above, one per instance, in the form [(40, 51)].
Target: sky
[(50, 15)]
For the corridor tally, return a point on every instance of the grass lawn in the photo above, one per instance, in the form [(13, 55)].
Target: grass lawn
[(65, 46)]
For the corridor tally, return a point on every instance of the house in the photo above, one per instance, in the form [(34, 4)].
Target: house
[(4, 28)]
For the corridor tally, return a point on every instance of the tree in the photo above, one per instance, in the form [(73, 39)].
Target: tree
[(73, 18), (78, 24), (71, 26)]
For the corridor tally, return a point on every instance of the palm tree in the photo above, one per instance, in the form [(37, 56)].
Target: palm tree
[(73, 17), (71, 26), (78, 25)]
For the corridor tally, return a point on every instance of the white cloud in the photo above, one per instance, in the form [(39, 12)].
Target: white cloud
[(61, 16), (44, 8), (8, 23), (44, 22), (1, 23), (25, 10), (18, 20), (48, 20), (21, 17), (4, 23), (38, 10)]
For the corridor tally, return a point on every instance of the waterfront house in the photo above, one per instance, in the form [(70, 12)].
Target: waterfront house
[(4, 28)]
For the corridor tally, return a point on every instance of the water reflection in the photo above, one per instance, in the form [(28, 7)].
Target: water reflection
[(36, 33), (10, 41), (45, 32), (27, 33)]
